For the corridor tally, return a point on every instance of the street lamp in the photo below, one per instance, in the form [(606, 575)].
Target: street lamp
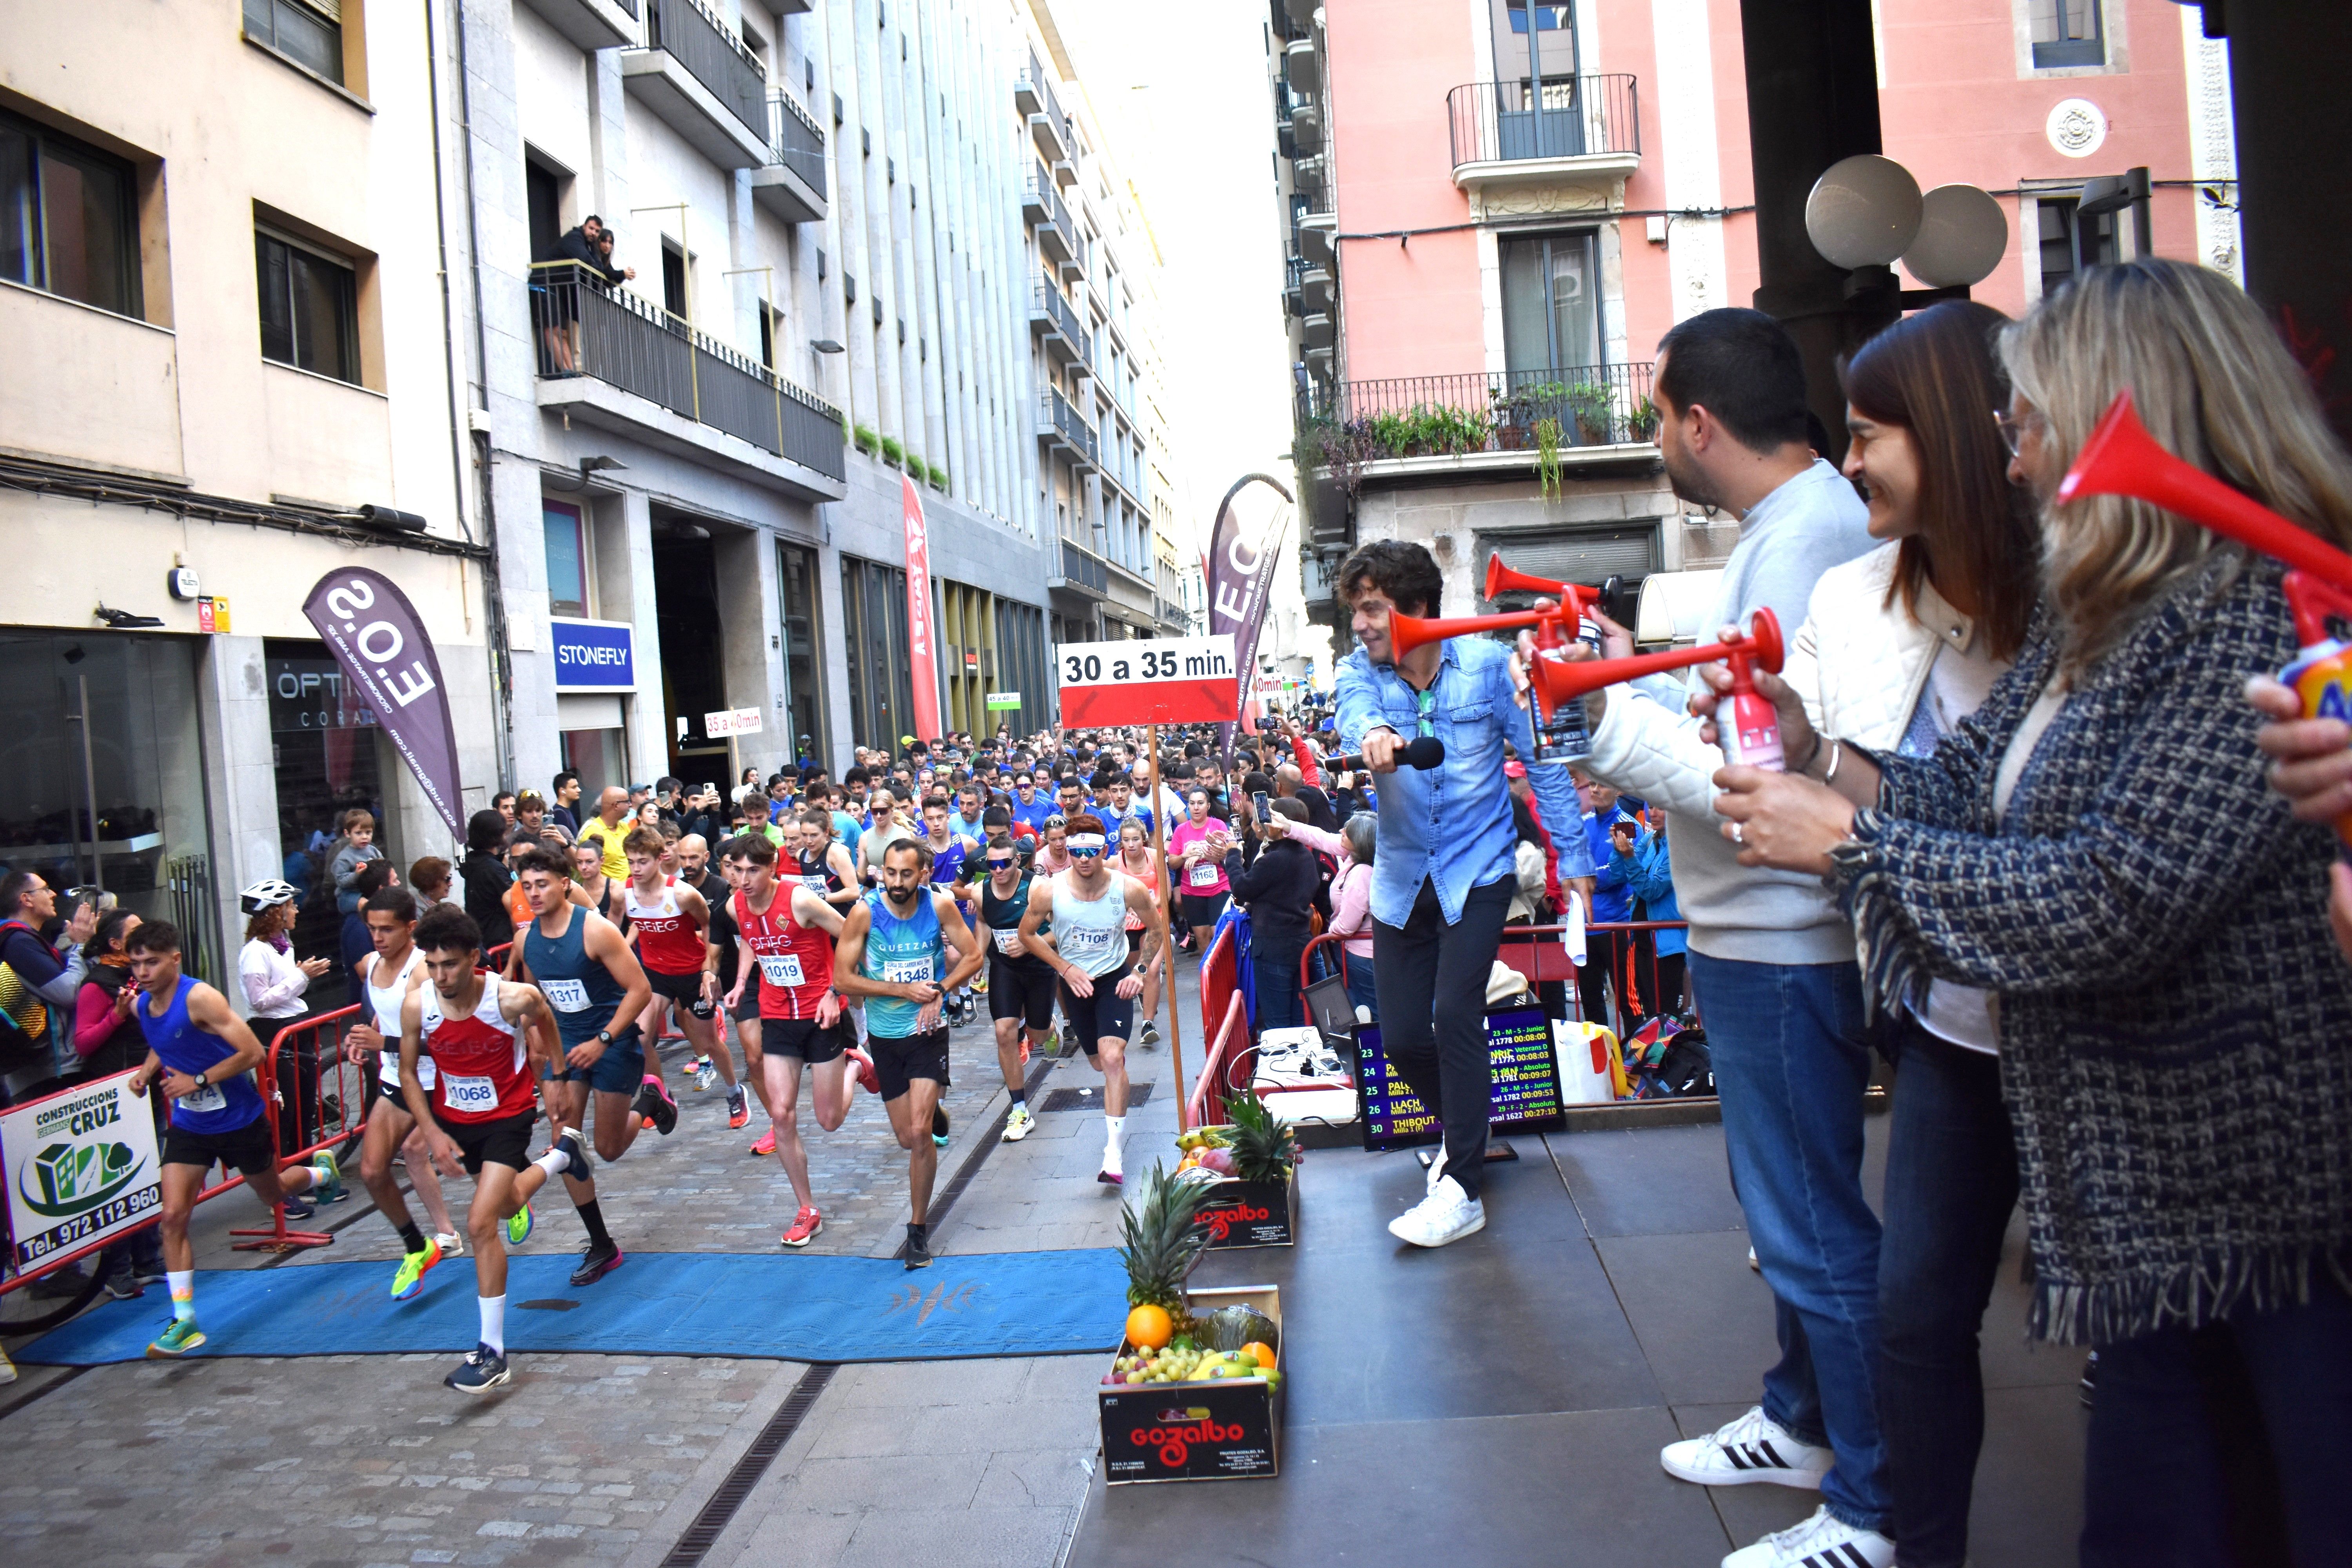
[(1867, 211), (849, 380)]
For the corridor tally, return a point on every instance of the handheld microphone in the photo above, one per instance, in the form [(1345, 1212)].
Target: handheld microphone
[(1421, 752)]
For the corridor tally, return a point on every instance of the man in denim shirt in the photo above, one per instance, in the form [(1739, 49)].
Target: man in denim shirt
[(1442, 881)]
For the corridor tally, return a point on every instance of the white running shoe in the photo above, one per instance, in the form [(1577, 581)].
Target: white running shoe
[(450, 1246), (1019, 1124), (1753, 1448), (1436, 1169), (1821, 1541), (1446, 1215), (1113, 1172)]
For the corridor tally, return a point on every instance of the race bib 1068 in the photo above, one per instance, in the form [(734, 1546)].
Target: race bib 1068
[(469, 1096)]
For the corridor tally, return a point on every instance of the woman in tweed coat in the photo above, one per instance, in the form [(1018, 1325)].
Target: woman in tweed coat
[(2099, 846)]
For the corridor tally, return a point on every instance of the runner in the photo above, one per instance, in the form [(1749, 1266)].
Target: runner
[(1020, 984), (477, 1029), (591, 887), (669, 924), (787, 941), (1199, 845), (1088, 908), (1140, 863), (827, 866), (592, 980), (890, 953), (951, 857), (204, 1054), (385, 978)]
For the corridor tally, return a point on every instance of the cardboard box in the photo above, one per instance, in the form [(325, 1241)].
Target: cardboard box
[(1250, 1214), (1213, 1430)]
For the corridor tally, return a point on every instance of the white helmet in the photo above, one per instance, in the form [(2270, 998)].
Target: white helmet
[(268, 893)]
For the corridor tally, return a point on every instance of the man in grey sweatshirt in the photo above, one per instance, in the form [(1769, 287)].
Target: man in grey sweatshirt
[(1771, 958)]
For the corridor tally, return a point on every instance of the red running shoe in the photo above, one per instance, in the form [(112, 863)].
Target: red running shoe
[(806, 1225), (739, 1107), (767, 1143), (868, 1078)]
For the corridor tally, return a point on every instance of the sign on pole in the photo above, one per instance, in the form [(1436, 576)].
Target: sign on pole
[(377, 636), (80, 1166), (1163, 680), (732, 722), (997, 699)]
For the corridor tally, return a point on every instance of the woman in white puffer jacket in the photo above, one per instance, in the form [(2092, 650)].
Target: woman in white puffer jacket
[(1898, 647)]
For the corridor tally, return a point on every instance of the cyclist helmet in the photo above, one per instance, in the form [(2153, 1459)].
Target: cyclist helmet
[(266, 894)]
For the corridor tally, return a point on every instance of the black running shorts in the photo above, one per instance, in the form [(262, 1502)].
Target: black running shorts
[(687, 987), (1098, 1017), (897, 1062), (248, 1149), (506, 1141), (801, 1037), (1023, 989)]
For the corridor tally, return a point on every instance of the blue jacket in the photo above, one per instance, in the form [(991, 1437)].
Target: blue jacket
[(1652, 879), (1452, 824), (1612, 894)]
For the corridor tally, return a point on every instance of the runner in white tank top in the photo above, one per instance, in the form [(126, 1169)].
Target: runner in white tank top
[(390, 917)]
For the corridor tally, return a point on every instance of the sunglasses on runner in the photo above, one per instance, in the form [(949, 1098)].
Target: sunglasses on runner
[(996, 865), (1078, 854)]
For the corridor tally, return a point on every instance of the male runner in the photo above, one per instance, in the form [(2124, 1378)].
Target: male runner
[(1119, 795), (1020, 984), (890, 952), (477, 1028), (205, 1055), (785, 933), (385, 978), (583, 965), (950, 854), (671, 925), (1089, 908)]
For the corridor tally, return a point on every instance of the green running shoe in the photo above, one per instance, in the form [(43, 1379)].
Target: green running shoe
[(413, 1269), (519, 1226), (327, 1186), (177, 1340)]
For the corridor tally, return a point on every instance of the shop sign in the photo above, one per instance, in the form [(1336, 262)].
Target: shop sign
[(998, 699), (732, 722), (312, 695), (82, 1167), (594, 655)]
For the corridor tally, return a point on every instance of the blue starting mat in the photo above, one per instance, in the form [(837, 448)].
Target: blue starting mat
[(656, 1303)]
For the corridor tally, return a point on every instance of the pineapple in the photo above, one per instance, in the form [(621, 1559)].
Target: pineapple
[(1161, 1242), (1262, 1151)]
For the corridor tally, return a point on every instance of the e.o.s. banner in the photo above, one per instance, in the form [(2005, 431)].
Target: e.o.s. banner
[(82, 1168)]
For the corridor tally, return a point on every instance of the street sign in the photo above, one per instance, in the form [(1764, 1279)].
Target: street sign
[(997, 699), (1163, 680), (732, 722)]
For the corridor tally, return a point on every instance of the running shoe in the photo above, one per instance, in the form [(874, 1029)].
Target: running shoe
[(1113, 1172), (327, 1182), (1150, 1036), (482, 1370), (122, 1285), (701, 1072), (939, 1125), (767, 1143), (7, 1369), (296, 1209), (1824, 1538), (654, 1103), (805, 1225), (1019, 1123), (410, 1277), (1024, 1050), (597, 1262), (520, 1225), (176, 1340), (450, 1244), (575, 1149), (868, 1078), (919, 1246), (739, 1107)]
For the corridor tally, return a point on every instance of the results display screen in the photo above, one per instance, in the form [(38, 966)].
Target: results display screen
[(1526, 1096)]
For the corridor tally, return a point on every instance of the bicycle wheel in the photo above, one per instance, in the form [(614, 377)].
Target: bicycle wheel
[(23, 1312)]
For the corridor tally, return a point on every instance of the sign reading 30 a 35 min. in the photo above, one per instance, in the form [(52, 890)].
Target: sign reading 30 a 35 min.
[(80, 1166), (1164, 680)]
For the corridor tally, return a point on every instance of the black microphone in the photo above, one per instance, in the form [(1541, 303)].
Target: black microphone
[(1423, 751)]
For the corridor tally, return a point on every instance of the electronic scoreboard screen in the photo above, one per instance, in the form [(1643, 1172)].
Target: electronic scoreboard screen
[(1526, 1096)]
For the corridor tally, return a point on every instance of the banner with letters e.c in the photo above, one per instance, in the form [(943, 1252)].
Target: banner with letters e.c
[(376, 635), (82, 1167), (1244, 543)]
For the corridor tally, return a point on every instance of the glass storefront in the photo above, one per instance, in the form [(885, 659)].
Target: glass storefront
[(117, 801), (796, 578), (873, 632), (327, 759)]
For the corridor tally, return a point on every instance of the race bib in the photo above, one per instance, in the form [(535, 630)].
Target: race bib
[(206, 1097), (1089, 942), (474, 1096), (566, 995), (426, 1073), (1204, 874), (1008, 941), (781, 970), (907, 971), (814, 884)]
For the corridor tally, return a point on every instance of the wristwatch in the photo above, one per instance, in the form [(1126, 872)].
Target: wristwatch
[(604, 1037)]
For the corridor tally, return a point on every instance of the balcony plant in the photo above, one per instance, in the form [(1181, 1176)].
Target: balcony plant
[(1590, 404), (1547, 435), (1391, 433), (892, 452), (937, 476), (868, 442), (1642, 425)]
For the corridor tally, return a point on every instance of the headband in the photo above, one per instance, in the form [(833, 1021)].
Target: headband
[(1085, 841)]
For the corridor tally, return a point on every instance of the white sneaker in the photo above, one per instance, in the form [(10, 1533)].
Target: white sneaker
[(1113, 1172), (1821, 1541), (1446, 1215), (1436, 1169), (1019, 1124), (450, 1246), (1753, 1448)]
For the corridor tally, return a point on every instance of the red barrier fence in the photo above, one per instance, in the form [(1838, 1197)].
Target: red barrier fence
[(1207, 1104)]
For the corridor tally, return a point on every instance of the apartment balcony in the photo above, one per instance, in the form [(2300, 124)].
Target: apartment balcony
[(1512, 144), (1307, 128), (791, 185), (696, 75), (89, 387), (1062, 430), (610, 358), (1302, 69), (1041, 202), (1313, 222), (1300, 12), (1057, 241), (1486, 422), (1318, 330), (591, 24), (1081, 573), (1032, 95), (1315, 288), (1053, 321)]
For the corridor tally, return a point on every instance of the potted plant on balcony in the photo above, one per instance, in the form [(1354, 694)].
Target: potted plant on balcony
[(1391, 433), (1548, 434), (868, 442), (1642, 425), (1589, 404)]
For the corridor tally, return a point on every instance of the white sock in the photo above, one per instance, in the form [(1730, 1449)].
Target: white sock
[(494, 1322), (183, 1282), (555, 1161), (1117, 1127)]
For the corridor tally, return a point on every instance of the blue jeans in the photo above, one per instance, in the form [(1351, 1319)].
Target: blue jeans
[(1951, 1184), (1361, 984), (1791, 1066)]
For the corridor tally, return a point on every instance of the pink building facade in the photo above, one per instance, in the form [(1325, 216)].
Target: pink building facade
[(1494, 209)]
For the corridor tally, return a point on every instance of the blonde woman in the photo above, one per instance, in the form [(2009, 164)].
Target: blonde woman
[(2099, 846)]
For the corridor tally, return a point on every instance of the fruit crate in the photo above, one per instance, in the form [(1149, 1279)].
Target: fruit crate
[(1250, 1214), (1209, 1430)]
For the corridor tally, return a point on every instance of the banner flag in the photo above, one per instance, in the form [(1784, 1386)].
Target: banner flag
[(1244, 543), (920, 650), (386, 654)]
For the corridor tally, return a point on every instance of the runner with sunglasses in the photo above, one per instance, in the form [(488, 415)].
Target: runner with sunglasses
[(1020, 985)]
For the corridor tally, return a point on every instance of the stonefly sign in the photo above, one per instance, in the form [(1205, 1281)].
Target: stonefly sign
[(594, 655)]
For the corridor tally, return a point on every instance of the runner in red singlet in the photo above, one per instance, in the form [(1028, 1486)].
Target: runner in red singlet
[(670, 924)]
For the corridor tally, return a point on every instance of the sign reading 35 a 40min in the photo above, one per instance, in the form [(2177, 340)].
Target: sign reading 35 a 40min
[(82, 1168)]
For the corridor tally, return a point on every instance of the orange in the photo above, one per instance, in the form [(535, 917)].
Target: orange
[(1263, 1353), (1149, 1328)]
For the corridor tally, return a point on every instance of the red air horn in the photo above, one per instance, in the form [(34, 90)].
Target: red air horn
[(1557, 619), (2121, 458), (1748, 728)]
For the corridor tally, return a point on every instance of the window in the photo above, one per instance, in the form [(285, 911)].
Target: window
[(307, 32), (543, 193), (796, 572), (309, 309), (2066, 33), (674, 281), (68, 218), (2071, 243), (567, 558), (1551, 321), (881, 689)]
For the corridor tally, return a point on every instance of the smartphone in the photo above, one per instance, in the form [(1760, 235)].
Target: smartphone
[(1265, 812), (711, 790)]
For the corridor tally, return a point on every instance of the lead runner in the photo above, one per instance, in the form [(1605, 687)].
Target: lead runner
[(1441, 883)]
